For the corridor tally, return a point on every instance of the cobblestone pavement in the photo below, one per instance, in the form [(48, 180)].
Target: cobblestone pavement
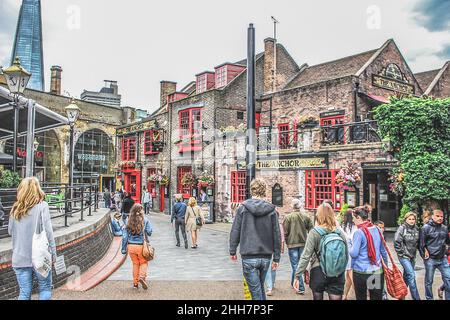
[(204, 273)]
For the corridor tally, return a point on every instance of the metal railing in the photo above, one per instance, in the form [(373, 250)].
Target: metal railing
[(277, 140), (64, 202), (350, 133)]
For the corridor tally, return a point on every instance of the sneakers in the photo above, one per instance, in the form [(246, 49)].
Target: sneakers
[(440, 294), (269, 293), (301, 292), (143, 284), (135, 286)]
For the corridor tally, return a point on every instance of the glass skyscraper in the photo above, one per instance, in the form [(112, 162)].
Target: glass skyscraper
[(28, 42)]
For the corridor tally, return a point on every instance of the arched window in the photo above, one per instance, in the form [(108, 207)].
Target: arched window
[(93, 156)]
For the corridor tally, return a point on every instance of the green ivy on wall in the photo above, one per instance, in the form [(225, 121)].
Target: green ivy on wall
[(9, 179)]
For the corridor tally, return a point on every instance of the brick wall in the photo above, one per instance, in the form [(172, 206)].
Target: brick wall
[(79, 254)]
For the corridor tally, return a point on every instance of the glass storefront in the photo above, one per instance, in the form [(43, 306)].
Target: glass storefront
[(47, 157), (94, 156)]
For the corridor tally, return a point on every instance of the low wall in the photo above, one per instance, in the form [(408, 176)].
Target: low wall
[(82, 245)]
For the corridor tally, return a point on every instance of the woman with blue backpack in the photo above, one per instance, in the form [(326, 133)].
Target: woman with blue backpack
[(326, 250), (366, 252)]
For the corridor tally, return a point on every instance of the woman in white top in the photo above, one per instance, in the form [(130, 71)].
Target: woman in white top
[(348, 227)]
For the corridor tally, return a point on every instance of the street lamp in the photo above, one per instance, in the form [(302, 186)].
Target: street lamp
[(73, 113), (35, 147), (17, 79)]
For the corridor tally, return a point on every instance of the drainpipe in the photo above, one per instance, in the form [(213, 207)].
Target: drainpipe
[(355, 101)]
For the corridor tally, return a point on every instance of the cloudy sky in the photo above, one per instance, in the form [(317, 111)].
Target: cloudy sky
[(139, 43)]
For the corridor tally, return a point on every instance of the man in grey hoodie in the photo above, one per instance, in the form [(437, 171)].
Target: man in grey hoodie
[(257, 231)]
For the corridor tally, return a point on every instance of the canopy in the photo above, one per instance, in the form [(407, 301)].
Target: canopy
[(45, 119)]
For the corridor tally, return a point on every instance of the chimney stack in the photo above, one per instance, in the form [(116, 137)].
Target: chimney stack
[(55, 81), (167, 87), (269, 65)]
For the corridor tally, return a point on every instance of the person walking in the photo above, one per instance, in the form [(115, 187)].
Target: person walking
[(146, 200), (272, 274), (118, 201), (349, 228), (134, 236), (193, 212), (107, 198), (296, 225), (432, 247), (127, 204), (406, 244), (29, 214), (326, 250), (256, 230), (178, 219), (366, 252)]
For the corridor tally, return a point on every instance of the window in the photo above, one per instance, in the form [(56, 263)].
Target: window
[(151, 185), (129, 149), (238, 184), (221, 77), (321, 186), (183, 189), (283, 136), (393, 72), (257, 121), (190, 125), (336, 132), (152, 141), (240, 115), (201, 83)]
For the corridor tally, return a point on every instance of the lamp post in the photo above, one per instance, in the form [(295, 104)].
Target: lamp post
[(35, 148), (73, 113), (17, 79)]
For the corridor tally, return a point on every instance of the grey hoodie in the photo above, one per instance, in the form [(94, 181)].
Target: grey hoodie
[(256, 230)]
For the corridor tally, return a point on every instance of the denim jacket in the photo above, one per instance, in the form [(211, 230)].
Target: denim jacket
[(128, 238)]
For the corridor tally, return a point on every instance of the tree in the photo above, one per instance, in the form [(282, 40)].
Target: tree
[(419, 132)]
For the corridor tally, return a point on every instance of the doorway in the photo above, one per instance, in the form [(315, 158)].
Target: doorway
[(133, 185), (385, 204)]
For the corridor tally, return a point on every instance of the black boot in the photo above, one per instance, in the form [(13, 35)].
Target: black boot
[(186, 245), (178, 244)]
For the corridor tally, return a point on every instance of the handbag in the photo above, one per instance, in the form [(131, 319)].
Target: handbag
[(396, 286), (148, 252), (41, 257), (198, 219)]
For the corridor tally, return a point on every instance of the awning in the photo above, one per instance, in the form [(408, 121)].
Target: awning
[(45, 118), (374, 98)]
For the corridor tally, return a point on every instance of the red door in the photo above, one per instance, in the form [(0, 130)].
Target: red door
[(162, 194), (133, 185)]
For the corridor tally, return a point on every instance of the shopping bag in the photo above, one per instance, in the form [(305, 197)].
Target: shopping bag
[(41, 257)]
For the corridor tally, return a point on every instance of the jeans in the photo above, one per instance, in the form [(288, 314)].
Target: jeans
[(270, 277), (179, 223), (374, 283), (409, 275), (147, 206), (255, 271), (430, 267), (25, 280), (294, 257)]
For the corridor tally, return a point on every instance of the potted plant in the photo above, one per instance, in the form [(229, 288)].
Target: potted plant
[(307, 122), (349, 176), (188, 180), (205, 180), (397, 178)]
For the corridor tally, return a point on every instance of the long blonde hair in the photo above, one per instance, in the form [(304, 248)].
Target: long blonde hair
[(325, 217), (29, 194), (192, 202)]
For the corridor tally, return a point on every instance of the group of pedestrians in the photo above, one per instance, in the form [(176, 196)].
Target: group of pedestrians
[(333, 256)]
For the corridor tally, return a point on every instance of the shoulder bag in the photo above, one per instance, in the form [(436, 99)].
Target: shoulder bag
[(198, 219), (148, 252), (41, 257), (395, 283)]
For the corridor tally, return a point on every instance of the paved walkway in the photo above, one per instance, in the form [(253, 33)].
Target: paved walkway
[(204, 273)]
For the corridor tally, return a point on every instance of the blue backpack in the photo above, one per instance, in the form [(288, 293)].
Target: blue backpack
[(333, 253)]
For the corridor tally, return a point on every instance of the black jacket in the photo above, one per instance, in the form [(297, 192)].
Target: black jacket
[(406, 241), (127, 203), (256, 229), (434, 238)]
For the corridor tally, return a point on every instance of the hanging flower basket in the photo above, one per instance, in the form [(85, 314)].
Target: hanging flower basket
[(307, 122), (128, 164), (188, 180), (205, 180), (349, 176), (163, 180), (153, 178), (397, 178)]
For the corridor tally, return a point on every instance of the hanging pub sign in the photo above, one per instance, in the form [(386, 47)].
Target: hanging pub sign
[(277, 195), (297, 162), (332, 113), (143, 126)]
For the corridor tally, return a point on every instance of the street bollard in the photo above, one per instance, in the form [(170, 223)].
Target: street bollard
[(82, 203), (96, 198), (66, 209), (90, 201)]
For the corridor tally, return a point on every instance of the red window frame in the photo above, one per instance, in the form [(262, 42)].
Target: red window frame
[(186, 191), (257, 121), (320, 185), (129, 149), (202, 83), (187, 121), (238, 184), (333, 121), (149, 138), (283, 136), (151, 185), (221, 77)]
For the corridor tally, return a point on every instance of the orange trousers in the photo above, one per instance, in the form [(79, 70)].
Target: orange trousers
[(139, 263)]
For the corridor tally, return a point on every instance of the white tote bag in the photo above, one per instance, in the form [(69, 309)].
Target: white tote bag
[(40, 254)]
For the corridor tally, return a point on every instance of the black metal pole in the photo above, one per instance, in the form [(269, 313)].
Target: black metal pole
[(251, 133), (71, 166), (16, 131), (90, 200), (82, 203)]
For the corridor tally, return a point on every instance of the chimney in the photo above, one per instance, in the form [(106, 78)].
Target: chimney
[(167, 87), (115, 87), (269, 65), (55, 81)]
